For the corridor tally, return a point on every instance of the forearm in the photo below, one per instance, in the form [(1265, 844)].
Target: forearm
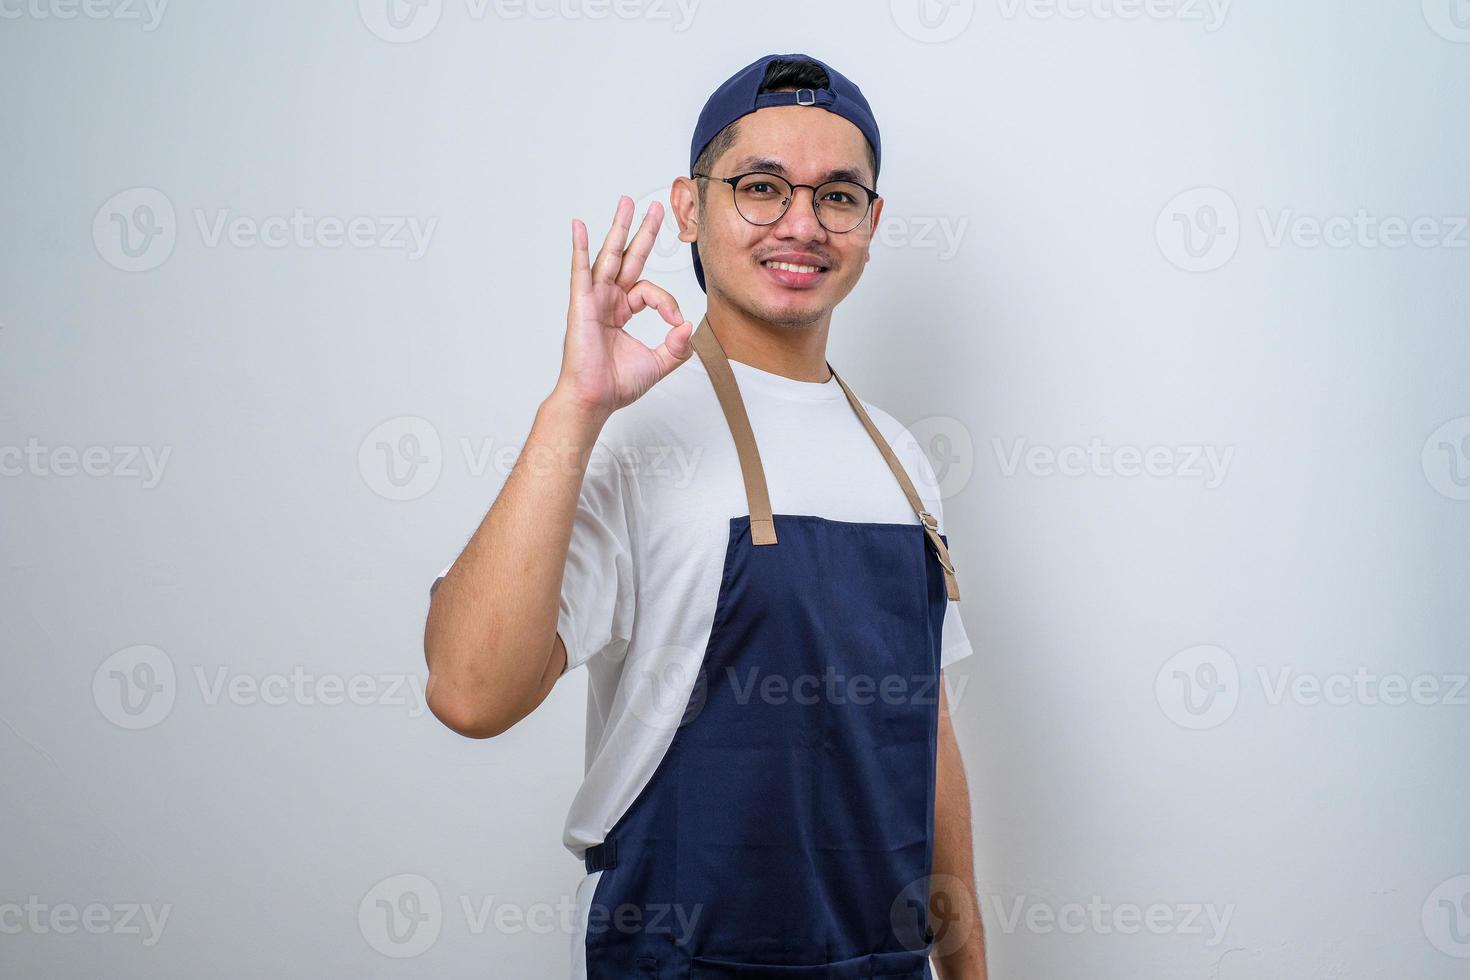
[(492, 621), (959, 942)]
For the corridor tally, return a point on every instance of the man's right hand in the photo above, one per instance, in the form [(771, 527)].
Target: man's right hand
[(603, 366)]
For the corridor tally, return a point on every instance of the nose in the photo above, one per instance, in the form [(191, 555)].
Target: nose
[(800, 220)]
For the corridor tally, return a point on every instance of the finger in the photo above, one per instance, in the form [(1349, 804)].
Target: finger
[(643, 242), (610, 258), (645, 294), (581, 273), (675, 349)]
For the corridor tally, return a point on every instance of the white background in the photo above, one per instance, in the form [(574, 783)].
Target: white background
[(1035, 288)]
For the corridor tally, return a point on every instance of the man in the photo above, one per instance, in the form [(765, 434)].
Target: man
[(733, 546)]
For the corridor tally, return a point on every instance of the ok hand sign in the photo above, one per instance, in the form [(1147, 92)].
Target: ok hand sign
[(603, 367)]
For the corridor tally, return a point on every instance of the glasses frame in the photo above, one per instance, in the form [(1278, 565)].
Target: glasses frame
[(735, 180)]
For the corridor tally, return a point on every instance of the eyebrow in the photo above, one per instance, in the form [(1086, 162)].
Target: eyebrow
[(768, 165)]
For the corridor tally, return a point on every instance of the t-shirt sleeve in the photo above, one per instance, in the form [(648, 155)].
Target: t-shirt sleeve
[(595, 610), (595, 615), (954, 643)]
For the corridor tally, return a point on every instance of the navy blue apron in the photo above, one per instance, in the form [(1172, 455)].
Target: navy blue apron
[(788, 830)]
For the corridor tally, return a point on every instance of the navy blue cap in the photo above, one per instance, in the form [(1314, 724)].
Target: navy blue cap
[(740, 96)]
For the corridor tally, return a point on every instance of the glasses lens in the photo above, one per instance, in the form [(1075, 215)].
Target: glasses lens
[(841, 206), (762, 198)]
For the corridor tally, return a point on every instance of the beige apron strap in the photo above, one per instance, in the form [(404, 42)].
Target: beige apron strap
[(762, 526), (930, 522), (707, 346)]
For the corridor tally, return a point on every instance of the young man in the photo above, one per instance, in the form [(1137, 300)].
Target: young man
[(734, 546)]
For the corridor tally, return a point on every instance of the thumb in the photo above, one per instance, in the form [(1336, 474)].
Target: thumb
[(675, 349)]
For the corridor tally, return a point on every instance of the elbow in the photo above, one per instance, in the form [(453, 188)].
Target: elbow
[(465, 714)]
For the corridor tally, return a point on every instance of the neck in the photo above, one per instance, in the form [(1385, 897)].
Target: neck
[(794, 350)]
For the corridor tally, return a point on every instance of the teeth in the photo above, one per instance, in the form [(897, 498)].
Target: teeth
[(791, 267)]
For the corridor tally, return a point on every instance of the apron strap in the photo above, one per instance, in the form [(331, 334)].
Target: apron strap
[(930, 522), (762, 526)]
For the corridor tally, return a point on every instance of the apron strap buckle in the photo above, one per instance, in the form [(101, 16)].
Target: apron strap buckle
[(931, 530)]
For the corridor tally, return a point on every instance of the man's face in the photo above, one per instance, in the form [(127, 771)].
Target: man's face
[(806, 145)]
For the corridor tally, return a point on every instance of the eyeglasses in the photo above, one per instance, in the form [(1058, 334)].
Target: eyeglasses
[(761, 199)]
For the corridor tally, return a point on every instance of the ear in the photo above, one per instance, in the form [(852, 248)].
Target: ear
[(685, 205), (875, 217)]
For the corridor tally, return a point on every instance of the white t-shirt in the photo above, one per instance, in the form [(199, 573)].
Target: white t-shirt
[(648, 545)]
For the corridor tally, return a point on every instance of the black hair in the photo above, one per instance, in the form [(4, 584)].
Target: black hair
[(781, 76)]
